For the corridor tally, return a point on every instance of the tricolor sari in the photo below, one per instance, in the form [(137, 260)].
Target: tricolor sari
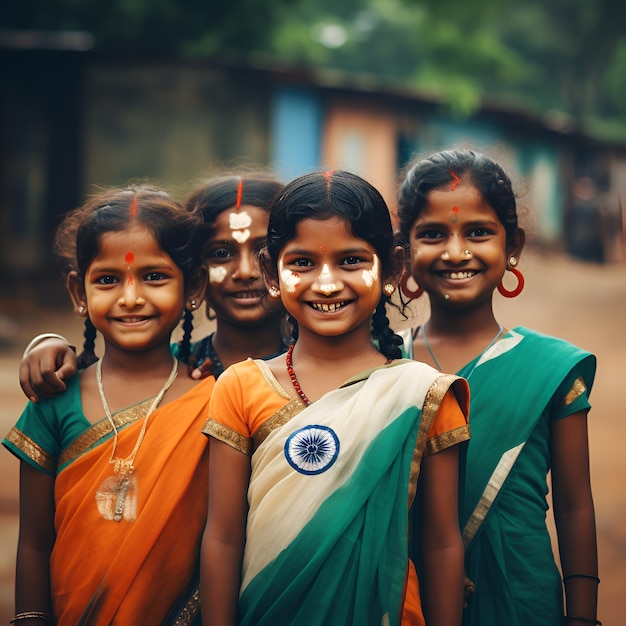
[(519, 386), (330, 489), (136, 571)]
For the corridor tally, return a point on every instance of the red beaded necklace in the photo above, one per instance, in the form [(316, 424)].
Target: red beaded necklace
[(294, 379)]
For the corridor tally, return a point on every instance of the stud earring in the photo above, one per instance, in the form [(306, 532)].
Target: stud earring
[(388, 289), (512, 261), (193, 305), (274, 292), (81, 310), (445, 255), (467, 253)]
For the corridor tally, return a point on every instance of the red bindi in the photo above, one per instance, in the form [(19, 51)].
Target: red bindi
[(454, 214), (129, 258)]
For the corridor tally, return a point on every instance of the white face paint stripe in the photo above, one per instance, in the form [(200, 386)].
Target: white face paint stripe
[(217, 274), (371, 275), (239, 225), (290, 280)]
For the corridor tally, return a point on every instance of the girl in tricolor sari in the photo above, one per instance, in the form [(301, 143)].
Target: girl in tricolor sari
[(334, 468), (529, 398), (113, 471)]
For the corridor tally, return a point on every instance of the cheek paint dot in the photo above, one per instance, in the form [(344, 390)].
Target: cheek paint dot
[(129, 258)]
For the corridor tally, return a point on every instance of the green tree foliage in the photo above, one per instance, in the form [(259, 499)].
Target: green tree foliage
[(562, 56)]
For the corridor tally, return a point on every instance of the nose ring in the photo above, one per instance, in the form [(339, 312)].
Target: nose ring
[(445, 255), (467, 253)]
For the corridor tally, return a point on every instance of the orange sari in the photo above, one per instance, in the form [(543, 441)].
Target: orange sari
[(141, 571)]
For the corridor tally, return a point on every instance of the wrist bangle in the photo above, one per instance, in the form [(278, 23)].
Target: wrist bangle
[(567, 618), (32, 615), (39, 338), (589, 576)]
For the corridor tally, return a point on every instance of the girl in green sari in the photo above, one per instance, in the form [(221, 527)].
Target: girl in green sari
[(529, 398)]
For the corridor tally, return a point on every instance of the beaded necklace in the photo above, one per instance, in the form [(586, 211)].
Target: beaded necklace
[(294, 379)]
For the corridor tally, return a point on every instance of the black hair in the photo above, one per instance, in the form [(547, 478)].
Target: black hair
[(439, 170), (224, 192), (322, 195), (178, 232)]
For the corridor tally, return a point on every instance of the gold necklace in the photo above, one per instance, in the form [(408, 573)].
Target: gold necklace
[(125, 467)]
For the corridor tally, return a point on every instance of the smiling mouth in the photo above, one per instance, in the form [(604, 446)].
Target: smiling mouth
[(131, 320), (327, 307), (247, 295), (459, 275)]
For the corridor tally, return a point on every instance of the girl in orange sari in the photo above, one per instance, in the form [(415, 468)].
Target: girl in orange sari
[(112, 508)]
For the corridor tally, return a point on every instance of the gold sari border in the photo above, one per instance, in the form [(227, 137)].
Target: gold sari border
[(271, 380), (280, 418), (490, 493), (434, 396), (447, 439), (189, 611), (577, 390), (34, 452), (228, 436), (103, 428)]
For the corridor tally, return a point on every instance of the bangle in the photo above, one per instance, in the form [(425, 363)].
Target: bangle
[(582, 619), (32, 615), (39, 338), (589, 576)]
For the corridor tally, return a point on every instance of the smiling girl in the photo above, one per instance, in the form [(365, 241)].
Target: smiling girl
[(316, 514), (113, 472), (530, 398)]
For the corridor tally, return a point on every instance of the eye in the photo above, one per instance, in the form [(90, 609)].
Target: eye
[(155, 276), (221, 254), (107, 279), (301, 263), (479, 231), (352, 260), (431, 233)]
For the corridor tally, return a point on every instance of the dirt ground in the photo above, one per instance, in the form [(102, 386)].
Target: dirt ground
[(584, 303)]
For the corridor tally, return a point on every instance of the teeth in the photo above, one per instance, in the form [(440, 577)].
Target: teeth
[(327, 308), (459, 275)]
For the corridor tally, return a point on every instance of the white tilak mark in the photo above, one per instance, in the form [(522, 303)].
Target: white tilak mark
[(369, 276), (241, 236), (290, 279), (240, 220), (217, 273), (239, 223)]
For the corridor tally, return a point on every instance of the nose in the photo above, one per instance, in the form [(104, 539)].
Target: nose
[(131, 296), (326, 282), (248, 267), (456, 251)]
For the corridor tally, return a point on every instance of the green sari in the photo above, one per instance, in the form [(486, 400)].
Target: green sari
[(518, 388)]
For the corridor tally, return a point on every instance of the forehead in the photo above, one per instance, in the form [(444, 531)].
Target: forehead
[(222, 223), (137, 239), (465, 197), (327, 234)]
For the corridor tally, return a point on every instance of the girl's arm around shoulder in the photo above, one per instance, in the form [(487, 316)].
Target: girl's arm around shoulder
[(441, 542), (36, 540), (574, 513), (224, 535)]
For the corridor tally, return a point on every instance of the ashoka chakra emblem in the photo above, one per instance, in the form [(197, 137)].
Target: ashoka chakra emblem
[(312, 449)]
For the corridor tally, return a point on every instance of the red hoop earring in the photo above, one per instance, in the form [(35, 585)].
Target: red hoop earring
[(411, 294), (518, 289)]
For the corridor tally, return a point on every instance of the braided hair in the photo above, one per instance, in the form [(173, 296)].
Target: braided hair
[(322, 195)]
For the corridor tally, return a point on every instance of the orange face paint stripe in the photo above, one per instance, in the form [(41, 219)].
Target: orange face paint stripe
[(457, 180), (239, 194)]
